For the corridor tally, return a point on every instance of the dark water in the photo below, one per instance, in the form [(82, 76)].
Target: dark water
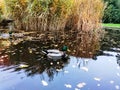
[(90, 66)]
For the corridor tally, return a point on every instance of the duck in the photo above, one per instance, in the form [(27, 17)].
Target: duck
[(55, 53), (5, 22)]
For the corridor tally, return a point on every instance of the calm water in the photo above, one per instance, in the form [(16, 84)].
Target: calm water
[(24, 67)]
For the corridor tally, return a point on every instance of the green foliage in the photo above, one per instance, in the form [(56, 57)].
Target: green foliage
[(112, 12)]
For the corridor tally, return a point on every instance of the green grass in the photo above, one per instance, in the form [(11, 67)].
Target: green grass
[(111, 25)]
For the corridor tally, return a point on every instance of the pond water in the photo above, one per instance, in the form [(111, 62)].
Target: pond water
[(24, 67)]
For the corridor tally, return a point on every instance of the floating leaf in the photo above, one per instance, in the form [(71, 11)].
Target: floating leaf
[(84, 68), (118, 67), (81, 85), (23, 66), (117, 87), (77, 89), (58, 62), (56, 45), (30, 50), (111, 81), (59, 70), (98, 85), (118, 74), (97, 79), (73, 66), (37, 52), (68, 86), (66, 71), (44, 83), (51, 63)]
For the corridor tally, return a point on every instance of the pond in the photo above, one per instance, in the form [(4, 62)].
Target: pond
[(24, 67)]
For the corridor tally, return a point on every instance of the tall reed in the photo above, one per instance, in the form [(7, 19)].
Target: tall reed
[(16, 10), (3, 10), (55, 16)]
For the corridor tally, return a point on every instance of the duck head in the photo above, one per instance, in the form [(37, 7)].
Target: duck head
[(64, 48)]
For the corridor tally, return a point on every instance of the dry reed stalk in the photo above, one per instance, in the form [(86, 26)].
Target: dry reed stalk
[(89, 14)]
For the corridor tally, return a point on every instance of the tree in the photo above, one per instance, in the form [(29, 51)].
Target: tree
[(112, 11)]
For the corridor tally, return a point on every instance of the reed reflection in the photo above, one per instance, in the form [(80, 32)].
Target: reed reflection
[(86, 44), (82, 44), (27, 56)]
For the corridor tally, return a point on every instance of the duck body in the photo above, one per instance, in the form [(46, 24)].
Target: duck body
[(54, 54)]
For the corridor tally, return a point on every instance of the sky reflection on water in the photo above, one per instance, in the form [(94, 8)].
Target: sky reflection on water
[(80, 73)]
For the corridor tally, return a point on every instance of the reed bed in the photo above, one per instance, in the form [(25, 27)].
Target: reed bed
[(55, 17)]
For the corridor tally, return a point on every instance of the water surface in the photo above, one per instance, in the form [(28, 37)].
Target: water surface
[(24, 67)]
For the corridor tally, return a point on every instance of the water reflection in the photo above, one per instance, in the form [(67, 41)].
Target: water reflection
[(24, 56), (86, 44), (111, 40), (29, 53), (83, 44)]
